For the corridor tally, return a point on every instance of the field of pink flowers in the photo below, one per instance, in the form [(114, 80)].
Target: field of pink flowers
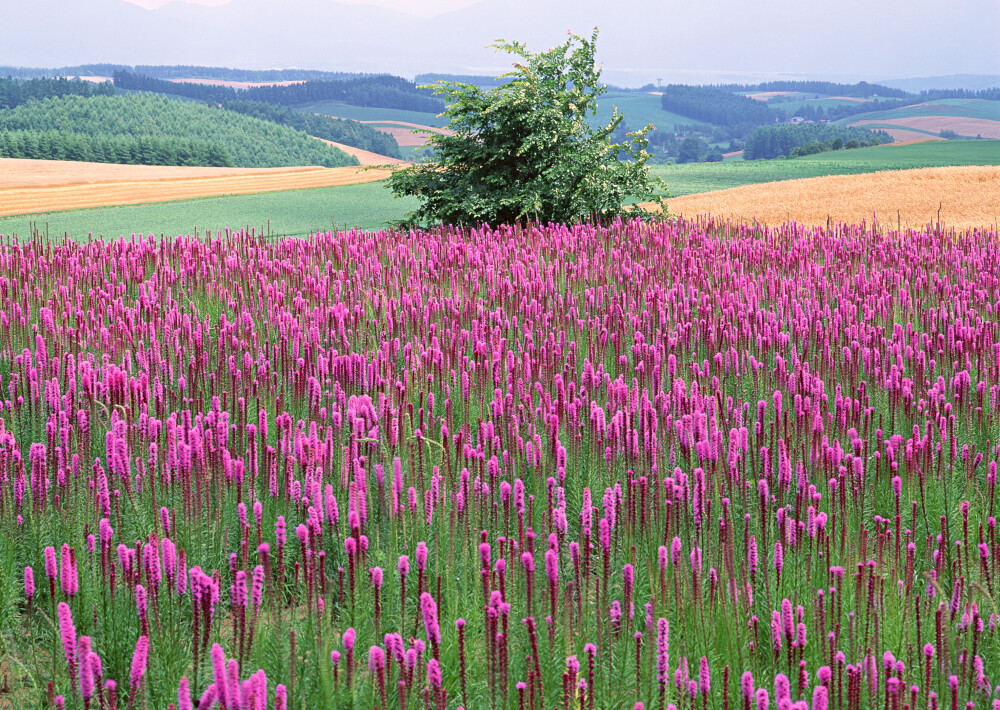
[(680, 465)]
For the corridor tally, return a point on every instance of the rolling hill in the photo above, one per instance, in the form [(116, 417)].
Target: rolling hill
[(246, 141)]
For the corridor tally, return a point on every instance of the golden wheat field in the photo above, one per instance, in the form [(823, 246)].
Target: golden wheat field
[(31, 186), (968, 197)]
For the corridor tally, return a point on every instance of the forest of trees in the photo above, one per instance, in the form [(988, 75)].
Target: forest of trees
[(766, 142), (338, 130), (937, 94), (14, 92), (383, 91), (125, 150), (485, 82), (76, 70), (244, 141), (864, 90), (723, 108), (181, 71), (861, 90), (834, 113)]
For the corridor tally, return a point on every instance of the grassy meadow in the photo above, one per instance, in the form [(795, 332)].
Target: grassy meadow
[(371, 113), (970, 108), (291, 213)]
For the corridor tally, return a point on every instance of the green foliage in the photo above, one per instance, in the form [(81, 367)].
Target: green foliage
[(239, 140), (75, 70), (525, 150), (184, 71), (369, 114), (861, 90), (14, 92), (382, 90), (123, 150), (803, 139), (349, 133), (692, 149), (718, 106)]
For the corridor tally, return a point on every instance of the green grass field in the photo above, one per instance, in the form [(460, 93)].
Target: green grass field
[(692, 178), (293, 213), (638, 109), (369, 113), (792, 107), (970, 108)]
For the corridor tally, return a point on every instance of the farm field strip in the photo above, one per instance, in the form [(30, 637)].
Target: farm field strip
[(694, 178), (49, 197), (19, 172), (968, 197), (962, 125), (904, 136), (295, 213), (365, 157)]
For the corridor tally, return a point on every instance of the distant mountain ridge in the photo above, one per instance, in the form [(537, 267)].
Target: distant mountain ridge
[(708, 42), (973, 82)]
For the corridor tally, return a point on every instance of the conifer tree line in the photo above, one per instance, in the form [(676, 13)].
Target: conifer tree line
[(123, 150), (786, 139), (181, 131), (180, 71), (13, 93), (382, 91), (339, 130), (718, 106), (722, 105)]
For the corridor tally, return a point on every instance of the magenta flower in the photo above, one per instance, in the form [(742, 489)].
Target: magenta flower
[(67, 632), (428, 609)]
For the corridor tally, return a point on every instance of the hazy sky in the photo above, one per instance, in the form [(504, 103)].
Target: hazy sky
[(424, 8), (641, 41)]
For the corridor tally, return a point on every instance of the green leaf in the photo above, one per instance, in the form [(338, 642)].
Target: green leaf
[(523, 150)]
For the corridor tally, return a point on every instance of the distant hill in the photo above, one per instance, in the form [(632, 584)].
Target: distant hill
[(973, 82), (944, 118), (244, 141)]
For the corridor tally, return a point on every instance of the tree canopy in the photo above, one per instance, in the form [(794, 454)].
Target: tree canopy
[(525, 150)]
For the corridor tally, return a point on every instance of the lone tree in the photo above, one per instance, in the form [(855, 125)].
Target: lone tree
[(525, 150)]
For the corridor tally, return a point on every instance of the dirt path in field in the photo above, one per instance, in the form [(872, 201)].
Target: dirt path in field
[(442, 131), (968, 197), (910, 141), (901, 136), (365, 157), (852, 99), (34, 186), (765, 95)]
